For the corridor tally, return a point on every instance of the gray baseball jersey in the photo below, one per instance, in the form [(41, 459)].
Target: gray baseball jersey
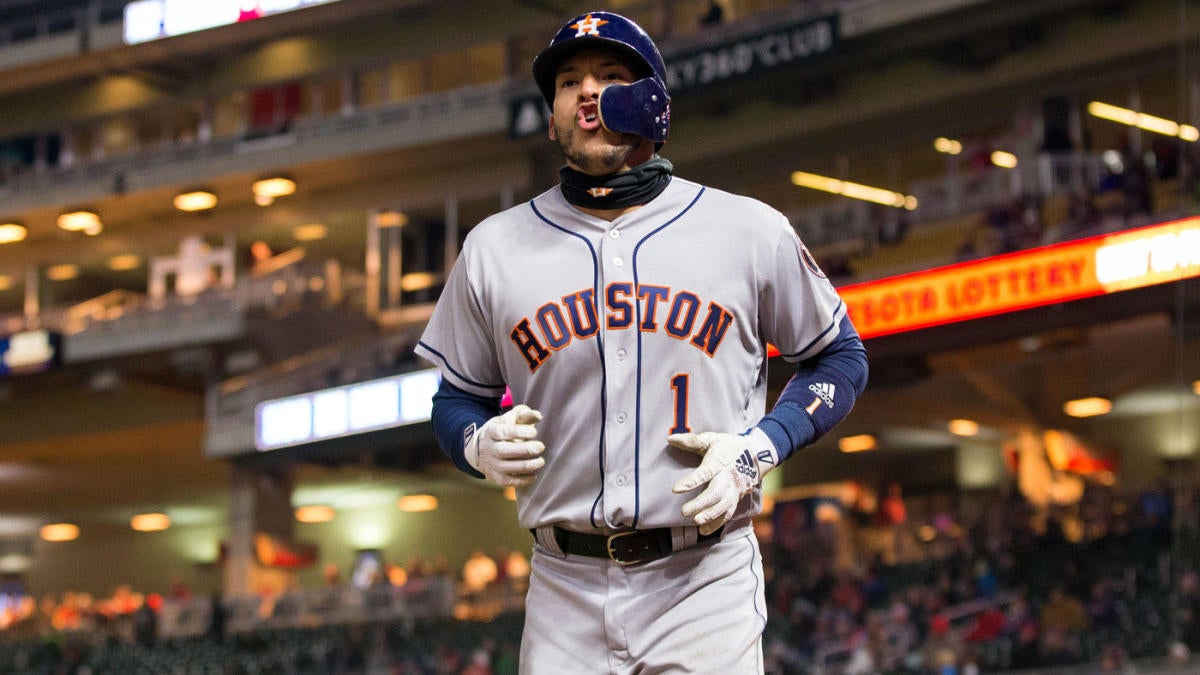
[(623, 332)]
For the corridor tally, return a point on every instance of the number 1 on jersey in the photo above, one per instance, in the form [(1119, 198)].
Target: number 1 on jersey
[(680, 384)]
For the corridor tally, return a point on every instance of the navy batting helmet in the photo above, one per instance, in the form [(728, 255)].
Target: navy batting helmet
[(642, 108)]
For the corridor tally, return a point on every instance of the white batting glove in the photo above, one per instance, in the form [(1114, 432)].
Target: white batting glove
[(505, 449), (732, 467)]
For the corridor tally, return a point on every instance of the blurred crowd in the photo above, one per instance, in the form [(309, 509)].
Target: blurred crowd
[(1109, 581), (1104, 581)]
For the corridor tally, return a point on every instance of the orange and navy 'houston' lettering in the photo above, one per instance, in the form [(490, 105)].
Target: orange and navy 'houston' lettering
[(581, 307), (620, 311), (712, 332), (555, 324), (649, 296), (527, 342)]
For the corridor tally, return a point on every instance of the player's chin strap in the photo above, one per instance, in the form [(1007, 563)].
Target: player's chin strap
[(641, 108), (637, 186)]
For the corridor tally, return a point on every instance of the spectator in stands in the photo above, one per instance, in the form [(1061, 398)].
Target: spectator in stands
[(68, 614), (217, 618), (1189, 609), (893, 515), (941, 648), (847, 594), (505, 662), (715, 14), (417, 567), (178, 588), (1138, 184), (124, 600), (988, 625), (481, 659), (145, 621), (979, 163), (1178, 655), (258, 256), (1114, 660), (1156, 509), (1063, 621), (1166, 158), (1102, 611), (331, 575), (397, 576), (1026, 649)]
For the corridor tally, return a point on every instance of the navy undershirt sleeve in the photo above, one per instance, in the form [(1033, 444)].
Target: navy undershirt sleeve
[(819, 395), (454, 410)]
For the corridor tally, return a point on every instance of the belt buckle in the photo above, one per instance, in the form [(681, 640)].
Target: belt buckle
[(612, 555)]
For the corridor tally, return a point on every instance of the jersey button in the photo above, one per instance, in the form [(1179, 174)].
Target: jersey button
[(614, 233), (621, 417), (617, 262), (619, 480), (621, 354)]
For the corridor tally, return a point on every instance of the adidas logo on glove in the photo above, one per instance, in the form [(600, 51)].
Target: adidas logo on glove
[(746, 465)]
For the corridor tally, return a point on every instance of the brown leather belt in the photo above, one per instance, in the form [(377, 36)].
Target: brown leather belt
[(627, 547)]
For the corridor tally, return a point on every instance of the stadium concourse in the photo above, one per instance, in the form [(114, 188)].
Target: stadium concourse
[(217, 224)]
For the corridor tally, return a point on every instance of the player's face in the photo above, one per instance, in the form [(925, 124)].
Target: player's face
[(575, 120)]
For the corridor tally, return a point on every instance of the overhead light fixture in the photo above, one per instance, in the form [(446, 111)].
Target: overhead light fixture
[(314, 513), (63, 272), (1196, 387), (124, 262), (12, 232), (416, 281), (150, 522), (948, 146), (310, 232), (59, 532), (79, 220), (1004, 160), (858, 443), (6, 282), (962, 427), (267, 190), (853, 190), (417, 503), (14, 563), (1088, 407), (389, 218), (1133, 118), (196, 200)]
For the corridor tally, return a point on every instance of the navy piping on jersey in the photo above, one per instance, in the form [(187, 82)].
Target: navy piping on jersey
[(599, 351), (637, 438), (758, 580), (447, 366), (837, 319)]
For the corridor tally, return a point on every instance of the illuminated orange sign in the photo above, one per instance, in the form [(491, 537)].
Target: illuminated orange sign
[(1042, 276)]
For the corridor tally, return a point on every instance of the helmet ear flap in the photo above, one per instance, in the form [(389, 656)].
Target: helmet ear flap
[(641, 108)]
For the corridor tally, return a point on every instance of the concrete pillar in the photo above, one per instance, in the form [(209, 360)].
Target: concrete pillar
[(260, 503)]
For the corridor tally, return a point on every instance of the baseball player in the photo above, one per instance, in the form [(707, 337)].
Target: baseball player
[(629, 312)]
